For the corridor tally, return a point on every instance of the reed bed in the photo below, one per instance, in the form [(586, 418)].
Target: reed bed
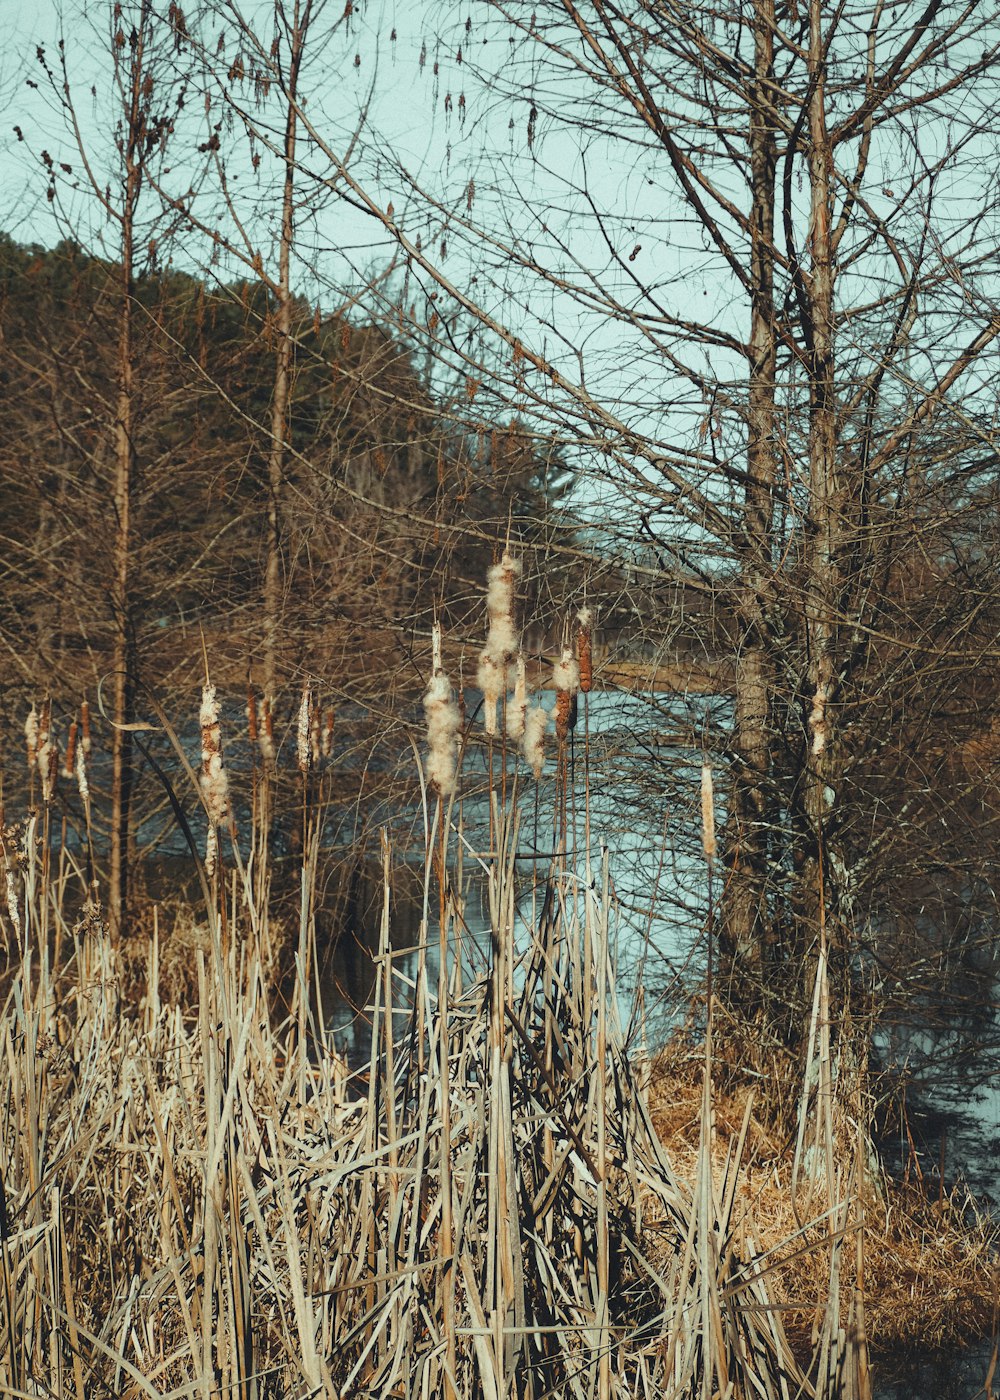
[(208, 1203), (200, 1197)]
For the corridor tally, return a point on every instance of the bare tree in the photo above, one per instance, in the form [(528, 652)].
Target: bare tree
[(103, 194), (724, 256)]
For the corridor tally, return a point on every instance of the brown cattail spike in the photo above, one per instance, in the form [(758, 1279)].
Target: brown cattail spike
[(707, 811), (584, 649), (566, 682), (69, 763)]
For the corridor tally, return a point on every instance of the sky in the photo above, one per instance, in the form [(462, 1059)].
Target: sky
[(399, 88)]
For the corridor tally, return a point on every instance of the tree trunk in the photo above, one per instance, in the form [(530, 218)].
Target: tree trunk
[(124, 658), (746, 923), (274, 579), (825, 523)]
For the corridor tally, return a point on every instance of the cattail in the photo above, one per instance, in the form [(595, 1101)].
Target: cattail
[(85, 728), (214, 782), (302, 731), (82, 783), (490, 678), (251, 714), (12, 906), (47, 751), (817, 719), (584, 649), (48, 766), (265, 738), (31, 736), (501, 639), (315, 737), (501, 581), (69, 761), (517, 707), (443, 727), (536, 721), (707, 811), (211, 850), (566, 682), (328, 734)]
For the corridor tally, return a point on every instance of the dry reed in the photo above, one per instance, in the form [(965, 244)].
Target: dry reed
[(200, 1198)]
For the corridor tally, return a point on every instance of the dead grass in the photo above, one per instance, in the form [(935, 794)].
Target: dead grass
[(931, 1272)]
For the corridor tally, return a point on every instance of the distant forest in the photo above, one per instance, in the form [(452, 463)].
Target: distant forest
[(391, 510)]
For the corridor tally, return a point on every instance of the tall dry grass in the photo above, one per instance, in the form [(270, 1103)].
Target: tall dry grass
[(200, 1198)]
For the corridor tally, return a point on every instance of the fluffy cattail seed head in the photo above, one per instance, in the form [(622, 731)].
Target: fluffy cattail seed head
[(251, 712), (31, 736), (48, 766), (13, 910), (501, 639), (566, 681), (536, 721), (443, 728), (490, 678), (517, 706), (82, 782), (214, 782), (817, 719), (302, 747), (265, 733), (211, 850)]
